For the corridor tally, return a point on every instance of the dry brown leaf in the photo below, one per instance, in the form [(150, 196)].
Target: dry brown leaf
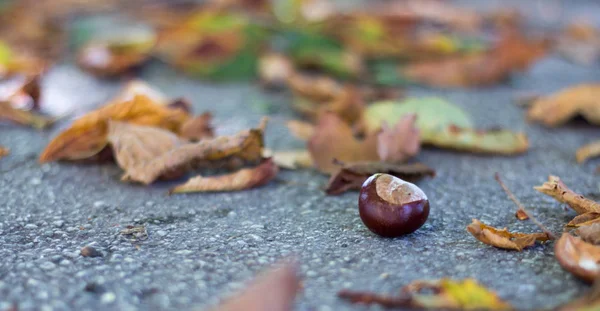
[(292, 159), (27, 118), (243, 179), (502, 238), (301, 130), (274, 290), (334, 139), (588, 151), (578, 257), (399, 143), (590, 233), (146, 155), (560, 107), (351, 176), (4, 152), (197, 128), (87, 136), (512, 53), (584, 219), (23, 92), (555, 188)]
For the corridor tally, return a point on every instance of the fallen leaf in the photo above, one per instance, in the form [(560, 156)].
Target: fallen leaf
[(590, 233), (334, 139), (147, 153), (139, 87), (502, 238), (134, 233), (588, 151), (558, 108), (578, 257), (301, 130), (213, 44), (87, 136), (351, 176), (113, 56), (399, 143), (197, 128), (499, 141), (243, 179), (555, 188), (23, 92), (292, 159), (584, 219), (443, 294), (27, 118), (579, 43), (512, 53), (273, 290), (4, 152)]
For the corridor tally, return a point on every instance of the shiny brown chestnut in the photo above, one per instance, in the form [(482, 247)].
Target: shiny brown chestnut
[(391, 207)]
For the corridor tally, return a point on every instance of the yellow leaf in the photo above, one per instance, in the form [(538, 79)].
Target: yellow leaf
[(558, 108)]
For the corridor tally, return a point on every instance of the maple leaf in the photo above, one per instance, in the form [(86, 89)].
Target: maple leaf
[(560, 107), (555, 188), (147, 153), (578, 257), (444, 294), (502, 238), (241, 180), (113, 56), (273, 290), (4, 152), (28, 118), (87, 136), (197, 128), (351, 176)]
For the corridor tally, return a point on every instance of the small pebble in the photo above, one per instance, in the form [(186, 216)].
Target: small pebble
[(99, 204), (31, 226), (89, 251), (108, 297), (58, 223), (35, 181), (161, 233), (47, 265)]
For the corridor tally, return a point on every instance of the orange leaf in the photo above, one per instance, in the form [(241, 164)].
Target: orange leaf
[(241, 180), (198, 128), (28, 118), (399, 143), (88, 135), (555, 188), (502, 238), (4, 152), (578, 257), (560, 107)]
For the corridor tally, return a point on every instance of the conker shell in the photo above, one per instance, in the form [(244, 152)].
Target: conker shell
[(391, 207)]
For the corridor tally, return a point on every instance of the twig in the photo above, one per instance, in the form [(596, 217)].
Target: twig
[(522, 208)]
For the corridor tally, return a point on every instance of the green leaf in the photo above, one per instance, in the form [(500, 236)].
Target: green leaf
[(481, 141), (433, 114)]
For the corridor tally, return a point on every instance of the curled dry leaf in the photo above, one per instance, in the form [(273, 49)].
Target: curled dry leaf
[(243, 179), (4, 152), (590, 233), (502, 238), (114, 56), (351, 176), (399, 143), (27, 118), (588, 151), (578, 257), (512, 53), (301, 130), (274, 290), (555, 188), (584, 219), (334, 139), (560, 107), (87, 136), (443, 294), (147, 153), (197, 128), (292, 159)]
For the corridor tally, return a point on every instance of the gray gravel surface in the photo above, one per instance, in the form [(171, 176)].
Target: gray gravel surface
[(202, 247)]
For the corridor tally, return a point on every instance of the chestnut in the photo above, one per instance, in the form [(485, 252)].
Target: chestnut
[(391, 207)]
